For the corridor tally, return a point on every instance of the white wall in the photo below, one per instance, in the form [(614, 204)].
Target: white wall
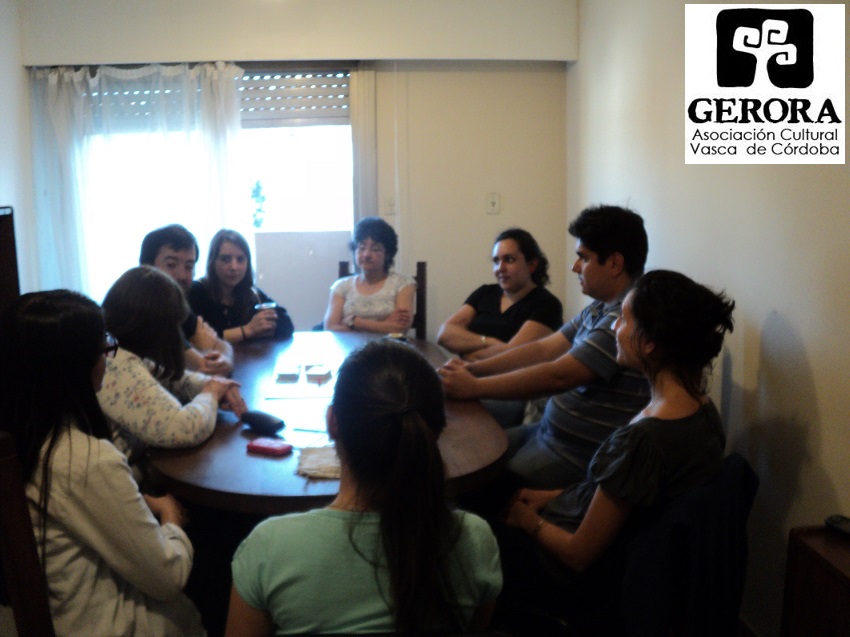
[(448, 134), (111, 32), (317, 254), (15, 155), (776, 237)]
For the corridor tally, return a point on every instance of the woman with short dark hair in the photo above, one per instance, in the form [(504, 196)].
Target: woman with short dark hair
[(374, 299), (148, 396), (388, 555), (111, 568)]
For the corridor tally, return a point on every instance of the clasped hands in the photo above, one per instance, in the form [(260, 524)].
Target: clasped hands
[(400, 319), (524, 509), (458, 381), (205, 337), (215, 364), (205, 340), (226, 392)]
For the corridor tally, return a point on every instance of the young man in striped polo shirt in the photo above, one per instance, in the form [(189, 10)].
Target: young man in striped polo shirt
[(591, 395)]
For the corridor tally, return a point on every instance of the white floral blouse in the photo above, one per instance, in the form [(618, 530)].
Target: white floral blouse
[(143, 412), (377, 306)]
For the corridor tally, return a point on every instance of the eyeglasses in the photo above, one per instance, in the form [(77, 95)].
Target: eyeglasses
[(375, 248), (111, 346)]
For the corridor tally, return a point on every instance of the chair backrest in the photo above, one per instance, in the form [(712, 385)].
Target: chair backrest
[(677, 571), (419, 324), (685, 569), (24, 579), (420, 328), (344, 269)]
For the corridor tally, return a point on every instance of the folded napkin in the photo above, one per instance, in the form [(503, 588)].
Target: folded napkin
[(319, 462)]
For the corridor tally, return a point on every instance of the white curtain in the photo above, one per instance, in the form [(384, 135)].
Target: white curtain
[(364, 132), (119, 152)]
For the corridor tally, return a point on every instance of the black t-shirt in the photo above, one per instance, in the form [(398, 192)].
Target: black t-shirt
[(539, 305), (222, 317), (190, 325)]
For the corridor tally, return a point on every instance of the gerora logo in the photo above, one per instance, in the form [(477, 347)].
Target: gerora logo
[(769, 44), (764, 83)]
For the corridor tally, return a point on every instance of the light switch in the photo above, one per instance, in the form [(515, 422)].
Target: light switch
[(390, 204), (494, 203)]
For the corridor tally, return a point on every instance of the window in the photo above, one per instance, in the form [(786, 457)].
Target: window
[(137, 182), (295, 149), (146, 161)]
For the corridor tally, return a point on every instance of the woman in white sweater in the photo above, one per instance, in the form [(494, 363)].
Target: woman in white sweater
[(148, 396), (115, 561)]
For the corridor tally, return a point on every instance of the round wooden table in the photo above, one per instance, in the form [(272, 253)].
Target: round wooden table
[(221, 474)]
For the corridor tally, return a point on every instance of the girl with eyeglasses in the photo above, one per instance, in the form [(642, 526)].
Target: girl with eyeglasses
[(115, 561), (374, 299), (388, 555)]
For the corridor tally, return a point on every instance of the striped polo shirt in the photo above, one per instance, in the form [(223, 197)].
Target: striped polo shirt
[(577, 421)]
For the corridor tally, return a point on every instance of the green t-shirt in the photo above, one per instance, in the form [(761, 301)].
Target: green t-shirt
[(303, 569)]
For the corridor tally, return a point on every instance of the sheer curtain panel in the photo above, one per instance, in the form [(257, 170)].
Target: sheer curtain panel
[(118, 152), (365, 135)]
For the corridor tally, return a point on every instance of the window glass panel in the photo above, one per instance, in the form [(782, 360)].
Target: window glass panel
[(137, 182), (299, 179)]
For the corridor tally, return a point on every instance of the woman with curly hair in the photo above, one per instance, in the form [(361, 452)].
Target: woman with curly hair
[(374, 299)]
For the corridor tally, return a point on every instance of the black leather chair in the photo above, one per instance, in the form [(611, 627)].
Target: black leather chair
[(677, 571), (686, 569), (23, 579)]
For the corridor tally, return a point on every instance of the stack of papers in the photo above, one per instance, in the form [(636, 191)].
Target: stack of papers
[(319, 462), (318, 373), (287, 373)]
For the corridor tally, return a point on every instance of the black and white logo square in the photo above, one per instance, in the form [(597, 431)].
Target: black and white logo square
[(764, 83), (776, 43)]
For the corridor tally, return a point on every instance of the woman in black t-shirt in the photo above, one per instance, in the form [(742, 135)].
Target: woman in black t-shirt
[(515, 310)]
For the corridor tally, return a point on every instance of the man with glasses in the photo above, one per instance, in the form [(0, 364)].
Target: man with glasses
[(174, 250)]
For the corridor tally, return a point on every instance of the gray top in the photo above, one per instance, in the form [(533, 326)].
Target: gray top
[(647, 463), (577, 421)]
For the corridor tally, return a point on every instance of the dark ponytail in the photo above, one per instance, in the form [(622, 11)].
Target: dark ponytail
[(388, 404)]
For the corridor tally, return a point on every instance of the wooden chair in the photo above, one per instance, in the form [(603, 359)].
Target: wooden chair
[(24, 579), (420, 328)]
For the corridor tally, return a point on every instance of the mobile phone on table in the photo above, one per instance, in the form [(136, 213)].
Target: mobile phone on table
[(270, 447)]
